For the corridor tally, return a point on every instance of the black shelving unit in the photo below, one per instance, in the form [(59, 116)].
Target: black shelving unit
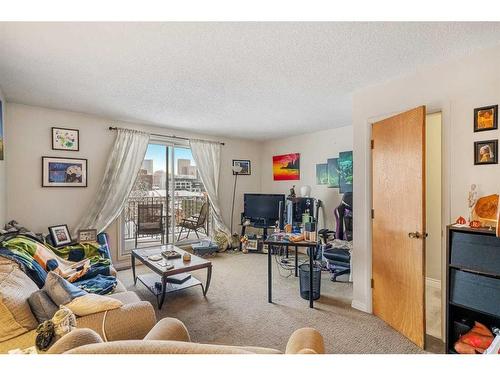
[(472, 281)]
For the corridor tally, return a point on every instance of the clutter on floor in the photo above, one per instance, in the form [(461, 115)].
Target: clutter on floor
[(479, 339)]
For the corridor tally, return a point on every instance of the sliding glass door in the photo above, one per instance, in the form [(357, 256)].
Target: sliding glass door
[(168, 203)]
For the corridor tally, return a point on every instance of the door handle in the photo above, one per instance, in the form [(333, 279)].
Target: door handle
[(417, 235)]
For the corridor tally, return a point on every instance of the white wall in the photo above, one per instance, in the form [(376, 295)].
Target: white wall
[(29, 130), (456, 88), (314, 148), (3, 172)]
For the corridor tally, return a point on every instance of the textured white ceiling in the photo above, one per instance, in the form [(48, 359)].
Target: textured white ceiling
[(251, 80)]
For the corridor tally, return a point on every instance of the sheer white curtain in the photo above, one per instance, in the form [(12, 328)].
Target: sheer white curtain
[(207, 158), (121, 172)]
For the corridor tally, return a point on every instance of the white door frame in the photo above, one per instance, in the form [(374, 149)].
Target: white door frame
[(363, 280)]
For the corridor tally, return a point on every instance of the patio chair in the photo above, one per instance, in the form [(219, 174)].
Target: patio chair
[(149, 221), (195, 222)]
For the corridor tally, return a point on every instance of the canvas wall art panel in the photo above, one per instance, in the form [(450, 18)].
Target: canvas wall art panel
[(333, 173), (345, 172), (322, 174), (286, 167)]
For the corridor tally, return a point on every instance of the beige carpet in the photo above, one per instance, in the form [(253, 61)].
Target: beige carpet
[(236, 310)]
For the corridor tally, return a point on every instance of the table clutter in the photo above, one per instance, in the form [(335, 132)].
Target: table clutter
[(171, 273)]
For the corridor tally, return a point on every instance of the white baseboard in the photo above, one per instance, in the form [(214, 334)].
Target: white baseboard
[(433, 283), (359, 306)]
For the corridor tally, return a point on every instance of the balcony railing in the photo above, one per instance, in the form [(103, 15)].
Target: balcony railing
[(186, 204)]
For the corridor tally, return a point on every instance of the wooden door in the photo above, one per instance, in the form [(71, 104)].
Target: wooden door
[(398, 224)]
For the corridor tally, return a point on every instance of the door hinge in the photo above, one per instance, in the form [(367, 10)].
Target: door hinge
[(371, 283), (373, 144), (373, 213)]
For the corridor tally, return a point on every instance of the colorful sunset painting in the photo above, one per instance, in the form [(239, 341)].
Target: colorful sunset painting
[(286, 167)]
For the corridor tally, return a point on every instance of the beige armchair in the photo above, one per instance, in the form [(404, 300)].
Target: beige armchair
[(170, 336)]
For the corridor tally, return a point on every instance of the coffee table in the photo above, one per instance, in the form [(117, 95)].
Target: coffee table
[(161, 274)]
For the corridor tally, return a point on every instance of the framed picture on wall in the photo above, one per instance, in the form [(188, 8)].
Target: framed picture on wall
[(65, 139), (246, 167), (64, 172), (486, 152), (486, 118)]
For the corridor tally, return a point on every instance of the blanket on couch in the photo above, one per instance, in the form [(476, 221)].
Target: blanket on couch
[(91, 272)]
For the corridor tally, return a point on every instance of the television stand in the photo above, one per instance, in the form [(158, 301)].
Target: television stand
[(256, 226)]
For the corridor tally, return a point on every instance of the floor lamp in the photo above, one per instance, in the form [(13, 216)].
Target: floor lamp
[(236, 171)]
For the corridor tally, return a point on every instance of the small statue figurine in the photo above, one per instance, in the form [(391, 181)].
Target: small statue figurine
[(292, 193), (472, 199), (277, 226)]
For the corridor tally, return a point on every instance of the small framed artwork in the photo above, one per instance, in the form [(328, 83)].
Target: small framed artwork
[(65, 139), (486, 152), (60, 235), (64, 172), (87, 235), (245, 167), (253, 245), (486, 118)]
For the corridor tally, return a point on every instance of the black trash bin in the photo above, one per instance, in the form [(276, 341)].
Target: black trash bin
[(304, 281)]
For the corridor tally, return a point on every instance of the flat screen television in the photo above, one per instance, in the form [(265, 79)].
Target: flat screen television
[(263, 209)]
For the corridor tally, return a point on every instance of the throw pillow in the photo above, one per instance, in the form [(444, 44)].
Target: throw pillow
[(42, 306), (92, 304), (16, 317), (60, 290)]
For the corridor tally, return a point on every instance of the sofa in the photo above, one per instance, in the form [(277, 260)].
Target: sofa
[(170, 336), (130, 329), (18, 324)]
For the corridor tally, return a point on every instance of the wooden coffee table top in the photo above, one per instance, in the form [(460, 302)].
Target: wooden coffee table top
[(180, 266)]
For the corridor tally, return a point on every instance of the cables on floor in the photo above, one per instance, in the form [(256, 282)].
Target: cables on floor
[(285, 263)]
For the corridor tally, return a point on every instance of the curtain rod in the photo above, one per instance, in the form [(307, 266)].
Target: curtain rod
[(175, 137)]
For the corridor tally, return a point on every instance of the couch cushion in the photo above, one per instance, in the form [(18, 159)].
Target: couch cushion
[(23, 341), (93, 303), (42, 306), (61, 291), (126, 297), (16, 317)]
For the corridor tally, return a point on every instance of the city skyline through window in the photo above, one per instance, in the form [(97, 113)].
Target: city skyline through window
[(156, 153), (180, 197)]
